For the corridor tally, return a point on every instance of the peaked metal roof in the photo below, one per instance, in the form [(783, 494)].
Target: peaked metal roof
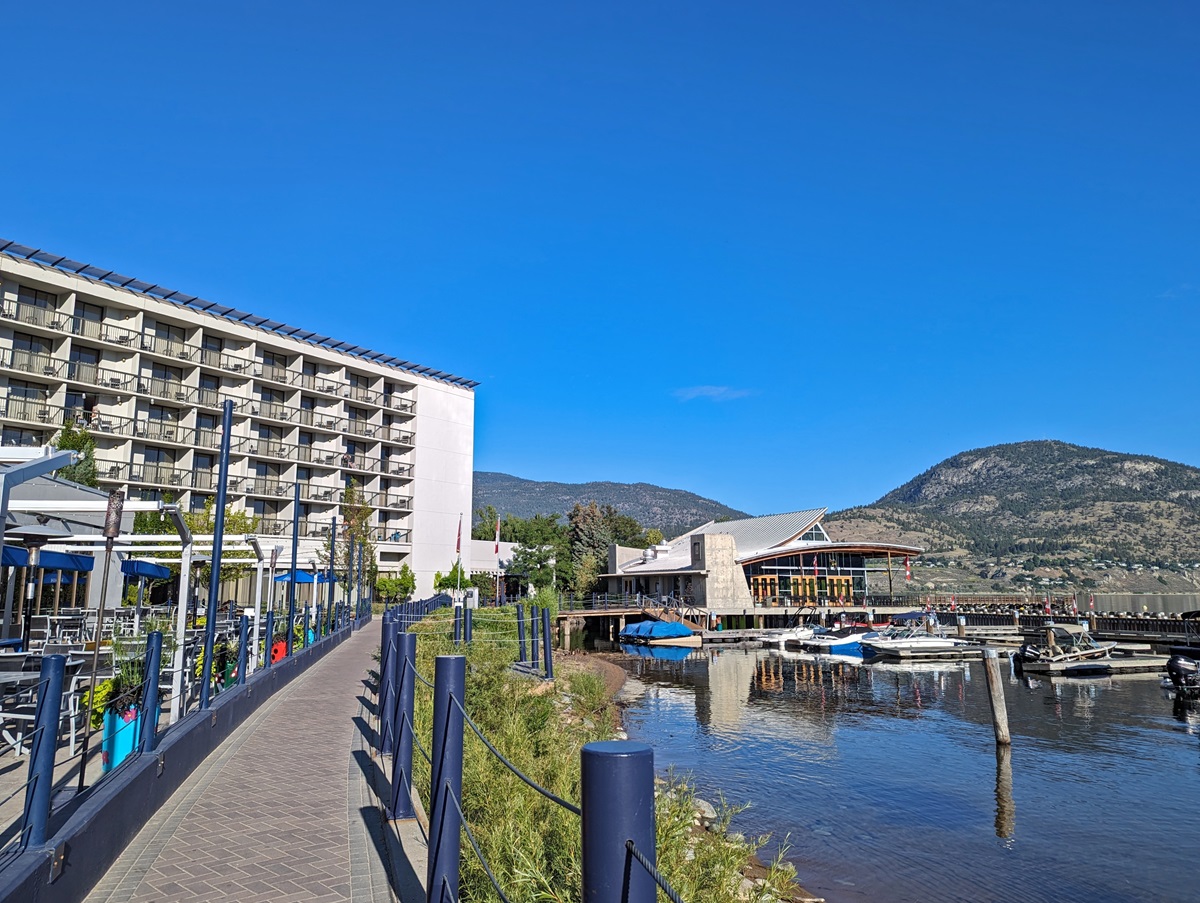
[(158, 292), (768, 531)]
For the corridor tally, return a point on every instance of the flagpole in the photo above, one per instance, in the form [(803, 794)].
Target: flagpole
[(458, 552)]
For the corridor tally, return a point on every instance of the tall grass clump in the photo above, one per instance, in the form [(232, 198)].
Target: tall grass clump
[(531, 843)]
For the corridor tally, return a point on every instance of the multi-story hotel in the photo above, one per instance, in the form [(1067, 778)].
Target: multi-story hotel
[(147, 371)]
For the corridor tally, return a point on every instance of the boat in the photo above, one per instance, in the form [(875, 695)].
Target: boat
[(1067, 643), (1183, 672), (659, 633), (912, 634), (846, 641), (781, 638)]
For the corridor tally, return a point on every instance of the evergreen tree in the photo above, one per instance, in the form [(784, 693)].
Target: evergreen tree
[(83, 471)]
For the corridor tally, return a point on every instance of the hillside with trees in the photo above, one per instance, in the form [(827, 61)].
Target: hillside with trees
[(1044, 515), (673, 511)]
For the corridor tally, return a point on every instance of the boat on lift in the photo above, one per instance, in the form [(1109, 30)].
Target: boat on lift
[(1065, 643)]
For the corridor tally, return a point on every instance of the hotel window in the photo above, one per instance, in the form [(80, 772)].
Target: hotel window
[(20, 437), (36, 298), (210, 387), (211, 347)]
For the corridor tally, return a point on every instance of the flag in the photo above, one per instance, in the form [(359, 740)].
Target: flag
[(1047, 605), (458, 541), (952, 602), (907, 571), (497, 551), (814, 564), (1074, 604), (1091, 603)]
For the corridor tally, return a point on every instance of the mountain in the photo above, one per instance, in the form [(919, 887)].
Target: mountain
[(673, 511), (1045, 514)]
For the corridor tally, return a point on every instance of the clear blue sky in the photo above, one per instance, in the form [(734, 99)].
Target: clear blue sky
[(780, 254)]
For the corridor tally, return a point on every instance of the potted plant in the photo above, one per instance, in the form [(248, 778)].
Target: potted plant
[(117, 702)]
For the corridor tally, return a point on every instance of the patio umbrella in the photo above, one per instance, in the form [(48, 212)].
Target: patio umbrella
[(301, 577)]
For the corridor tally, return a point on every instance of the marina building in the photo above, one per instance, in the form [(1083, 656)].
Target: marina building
[(780, 560), (146, 370)]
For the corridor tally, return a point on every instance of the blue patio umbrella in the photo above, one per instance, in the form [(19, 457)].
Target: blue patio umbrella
[(301, 577), (52, 578)]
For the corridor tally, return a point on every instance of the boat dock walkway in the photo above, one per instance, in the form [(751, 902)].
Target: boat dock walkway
[(1137, 663), (285, 809)]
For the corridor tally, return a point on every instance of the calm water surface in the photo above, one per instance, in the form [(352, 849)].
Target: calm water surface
[(886, 782)]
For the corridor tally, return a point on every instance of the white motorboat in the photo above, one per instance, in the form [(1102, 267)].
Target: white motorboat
[(911, 636), (781, 638), (846, 641)]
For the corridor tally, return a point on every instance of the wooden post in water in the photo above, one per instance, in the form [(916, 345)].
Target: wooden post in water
[(995, 684)]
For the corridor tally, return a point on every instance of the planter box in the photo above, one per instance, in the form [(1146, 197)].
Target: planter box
[(122, 731)]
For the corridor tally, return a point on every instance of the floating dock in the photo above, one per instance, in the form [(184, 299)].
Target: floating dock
[(1116, 666), (958, 654)]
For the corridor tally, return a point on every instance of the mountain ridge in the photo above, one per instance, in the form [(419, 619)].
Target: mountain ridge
[(674, 511)]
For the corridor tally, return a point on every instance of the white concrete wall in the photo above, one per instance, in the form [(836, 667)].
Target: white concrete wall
[(443, 469)]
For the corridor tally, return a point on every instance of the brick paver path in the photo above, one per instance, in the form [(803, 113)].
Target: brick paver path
[(281, 811)]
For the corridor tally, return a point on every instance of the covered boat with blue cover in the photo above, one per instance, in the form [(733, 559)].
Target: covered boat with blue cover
[(659, 633)]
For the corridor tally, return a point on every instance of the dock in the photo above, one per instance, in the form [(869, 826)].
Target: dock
[(958, 654), (751, 635), (1118, 665)]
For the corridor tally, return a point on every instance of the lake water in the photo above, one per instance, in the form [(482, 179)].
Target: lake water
[(886, 782)]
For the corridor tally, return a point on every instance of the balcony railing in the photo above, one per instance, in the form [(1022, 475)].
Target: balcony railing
[(383, 534), (329, 422), (160, 430), (398, 502), (101, 331), (314, 492), (370, 396), (361, 427), (400, 403), (400, 437), (271, 372), (276, 526), (395, 469), (167, 389), (271, 486), (271, 409), (34, 315)]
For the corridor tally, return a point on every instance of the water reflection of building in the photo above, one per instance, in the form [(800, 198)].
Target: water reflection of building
[(779, 560)]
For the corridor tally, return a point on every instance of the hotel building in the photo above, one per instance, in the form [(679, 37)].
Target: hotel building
[(146, 370)]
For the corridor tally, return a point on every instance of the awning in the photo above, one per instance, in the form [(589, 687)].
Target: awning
[(132, 567), (18, 557)]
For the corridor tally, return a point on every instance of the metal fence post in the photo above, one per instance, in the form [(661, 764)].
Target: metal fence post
[(148, 736), (401, 803), (458, 610), (270, 640), (533, 636), (243, 649), (387, 690), (445, 824), (467, 614), (547, 648), (42, 748), (617, 800), (521, 629)]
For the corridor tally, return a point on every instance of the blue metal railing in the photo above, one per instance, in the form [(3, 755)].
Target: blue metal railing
[(617, 806)]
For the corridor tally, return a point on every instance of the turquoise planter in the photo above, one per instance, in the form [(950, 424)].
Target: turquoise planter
[(121, 734)]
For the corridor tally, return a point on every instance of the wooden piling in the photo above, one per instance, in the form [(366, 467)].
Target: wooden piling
[(995, 684)]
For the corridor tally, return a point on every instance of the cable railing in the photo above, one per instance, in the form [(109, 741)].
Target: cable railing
[(78, 734), (616, 812)]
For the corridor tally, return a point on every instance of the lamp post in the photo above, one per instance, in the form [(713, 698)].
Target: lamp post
[(112, 529)]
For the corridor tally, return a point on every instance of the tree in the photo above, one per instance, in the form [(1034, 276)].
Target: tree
[(455, 579), (535, 563), (355, 527), (407, 580), (653, 536), (485, 523), (78, 440), (623, 529), (589, 539), (234, 564)]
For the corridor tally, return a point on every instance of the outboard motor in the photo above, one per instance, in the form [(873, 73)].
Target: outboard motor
[(1184, 672)]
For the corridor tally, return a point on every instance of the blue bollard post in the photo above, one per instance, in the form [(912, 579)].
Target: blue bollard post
[(617, 799), (401, 805), (388, 687), (467, 615), (445, 824), (385, 649), (533, 636), (41, 752), (269, 640), (243, 649), (148, 738), (457, 624), (547, 647), (521, 630)]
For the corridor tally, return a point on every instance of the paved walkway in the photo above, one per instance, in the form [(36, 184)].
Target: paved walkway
[(283, 810)]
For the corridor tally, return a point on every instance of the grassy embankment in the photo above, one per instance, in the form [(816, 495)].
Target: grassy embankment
[(532, 844)]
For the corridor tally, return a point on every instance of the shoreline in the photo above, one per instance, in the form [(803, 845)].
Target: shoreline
[(614, 677)]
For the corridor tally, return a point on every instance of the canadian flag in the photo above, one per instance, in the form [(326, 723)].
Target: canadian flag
[(953, 602), (458, 541), (497, 550), (814, 564), (907, 571), (1047, 609), (1074, 605), (1091, 603)]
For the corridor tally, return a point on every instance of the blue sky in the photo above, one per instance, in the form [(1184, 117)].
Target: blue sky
[(779, 254)]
